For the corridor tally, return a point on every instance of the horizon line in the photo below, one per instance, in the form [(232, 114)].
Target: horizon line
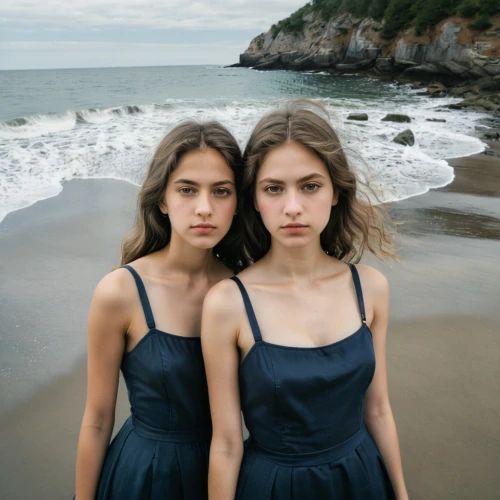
[(118, 67)]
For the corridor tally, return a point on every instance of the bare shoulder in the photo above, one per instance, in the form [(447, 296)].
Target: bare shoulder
[(116, 290), (223, 301), (111, 308), (223, 295), (373, 282)]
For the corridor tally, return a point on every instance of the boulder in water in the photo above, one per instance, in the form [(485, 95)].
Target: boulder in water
[(405, 138), (358, 116), (394, 117), (437, 89), (492, 135)]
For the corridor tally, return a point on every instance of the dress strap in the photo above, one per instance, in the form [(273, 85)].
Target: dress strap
[(359, 292), (143, 296), (249, 309)]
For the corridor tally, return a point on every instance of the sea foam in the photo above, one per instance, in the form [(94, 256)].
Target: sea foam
[(39, 153)]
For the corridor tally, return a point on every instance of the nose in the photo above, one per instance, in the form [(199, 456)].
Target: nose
[(204, 205), (293, 207)]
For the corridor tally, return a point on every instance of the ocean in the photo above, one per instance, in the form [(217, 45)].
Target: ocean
[(58, 125)]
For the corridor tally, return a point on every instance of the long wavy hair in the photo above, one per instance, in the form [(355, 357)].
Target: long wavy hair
[(356, 224), (152, 230)]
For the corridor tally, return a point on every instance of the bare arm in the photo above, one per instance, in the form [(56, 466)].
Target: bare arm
[(219, 335), (378, 413), (107, 325)]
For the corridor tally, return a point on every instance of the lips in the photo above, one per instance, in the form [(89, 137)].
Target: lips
[(294, 228), (203, 228)]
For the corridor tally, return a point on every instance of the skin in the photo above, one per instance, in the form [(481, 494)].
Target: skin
[(177, 278), (302, 297)]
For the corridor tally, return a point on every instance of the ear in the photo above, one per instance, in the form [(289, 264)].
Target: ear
[(335, 198), (255, 204), (163, 208)]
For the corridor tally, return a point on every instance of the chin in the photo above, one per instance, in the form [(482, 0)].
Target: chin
[(296, 242), (204, 243)]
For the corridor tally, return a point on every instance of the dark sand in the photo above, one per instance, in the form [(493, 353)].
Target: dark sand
[(443, 346)]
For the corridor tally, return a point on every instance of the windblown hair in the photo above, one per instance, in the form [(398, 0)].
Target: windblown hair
[(356, 224), (152, 229)]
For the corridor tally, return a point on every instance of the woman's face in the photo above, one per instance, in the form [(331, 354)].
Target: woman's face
[(200, 198), (294, 195)]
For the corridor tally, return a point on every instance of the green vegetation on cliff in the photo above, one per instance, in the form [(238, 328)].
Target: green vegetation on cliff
[(396, 14), (293, 23)]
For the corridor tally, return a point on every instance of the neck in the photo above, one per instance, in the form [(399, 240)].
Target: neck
[(298, 264), (184, 259)]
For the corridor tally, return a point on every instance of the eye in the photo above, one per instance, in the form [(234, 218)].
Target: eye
[(186, 190), (273, 189), (310, 186), (222, 192)]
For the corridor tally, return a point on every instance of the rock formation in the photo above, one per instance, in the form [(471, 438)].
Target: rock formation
[(451, 54)]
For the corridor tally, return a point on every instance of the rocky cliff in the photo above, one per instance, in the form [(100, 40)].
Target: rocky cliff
[(452, 53)]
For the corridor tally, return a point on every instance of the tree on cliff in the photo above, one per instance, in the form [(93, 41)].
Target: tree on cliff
[(377, 9), (480, 10), (429, 12), (470, 8), (396, 14)]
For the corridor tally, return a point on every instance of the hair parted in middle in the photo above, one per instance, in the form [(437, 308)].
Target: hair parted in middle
[(152, 229), (356, 224)]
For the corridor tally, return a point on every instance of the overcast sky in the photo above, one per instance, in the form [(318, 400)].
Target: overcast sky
[(101, 33)]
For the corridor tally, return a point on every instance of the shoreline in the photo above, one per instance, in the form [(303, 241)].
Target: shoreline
[(472, 97), (61, 187), (454, 222), (57, 190), (443, 346)]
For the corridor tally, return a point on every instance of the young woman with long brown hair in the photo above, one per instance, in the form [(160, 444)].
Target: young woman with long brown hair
[(297, 340), (145, 319)]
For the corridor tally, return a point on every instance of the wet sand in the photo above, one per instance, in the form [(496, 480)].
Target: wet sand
[(443, 345)]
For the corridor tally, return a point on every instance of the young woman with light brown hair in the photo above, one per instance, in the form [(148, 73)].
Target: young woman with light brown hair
[(297, 340), (145, 319)]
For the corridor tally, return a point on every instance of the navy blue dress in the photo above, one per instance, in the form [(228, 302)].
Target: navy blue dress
[(303, 407), (161, 452)]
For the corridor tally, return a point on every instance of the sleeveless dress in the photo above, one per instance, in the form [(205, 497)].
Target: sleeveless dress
[(161, 452), (303, 407)]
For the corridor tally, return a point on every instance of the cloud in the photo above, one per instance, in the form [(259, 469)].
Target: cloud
[(92, 33), (154, 14)]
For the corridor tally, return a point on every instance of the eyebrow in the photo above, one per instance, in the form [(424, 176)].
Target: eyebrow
[(196, 184), (302, 179)]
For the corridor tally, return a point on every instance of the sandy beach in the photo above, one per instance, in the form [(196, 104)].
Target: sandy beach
[(443, 345)]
